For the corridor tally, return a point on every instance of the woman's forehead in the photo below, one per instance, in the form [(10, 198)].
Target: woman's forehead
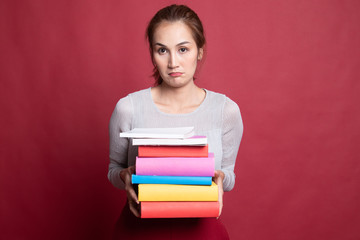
[(172, 33)]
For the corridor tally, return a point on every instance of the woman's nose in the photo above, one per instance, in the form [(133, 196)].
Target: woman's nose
[(173, 61)]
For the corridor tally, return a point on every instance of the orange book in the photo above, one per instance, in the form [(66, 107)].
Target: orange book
[(179, 209), (173, 151)]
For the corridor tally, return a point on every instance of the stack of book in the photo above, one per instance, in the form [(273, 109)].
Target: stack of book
[(174, 174)]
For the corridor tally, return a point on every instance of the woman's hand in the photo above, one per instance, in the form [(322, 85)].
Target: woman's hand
[(218, 179), (125, 176)]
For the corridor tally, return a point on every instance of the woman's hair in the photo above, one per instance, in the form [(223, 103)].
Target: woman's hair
[(174, 13)]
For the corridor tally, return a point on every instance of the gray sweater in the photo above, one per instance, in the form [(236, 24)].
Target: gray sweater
[(218, 118)]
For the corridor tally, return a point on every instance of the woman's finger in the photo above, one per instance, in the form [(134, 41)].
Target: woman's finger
[(134, 208), (132, 194), (131, 170), (218, 179), (221, 206)]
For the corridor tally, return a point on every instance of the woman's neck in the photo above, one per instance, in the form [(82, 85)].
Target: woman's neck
[(180, 100)]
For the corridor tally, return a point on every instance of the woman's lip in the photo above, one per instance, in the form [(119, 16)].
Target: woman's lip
[(175, 74)]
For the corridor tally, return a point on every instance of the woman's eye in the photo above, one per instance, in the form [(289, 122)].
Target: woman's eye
[(182, 50), (162, 50)]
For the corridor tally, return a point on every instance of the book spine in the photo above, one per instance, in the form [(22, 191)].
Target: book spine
[(181, 180), (176, 166), (193, 141), (173, 151), (167, 192), (179, 209)]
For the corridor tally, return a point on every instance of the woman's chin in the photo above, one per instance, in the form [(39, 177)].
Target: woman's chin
[(176, 82)]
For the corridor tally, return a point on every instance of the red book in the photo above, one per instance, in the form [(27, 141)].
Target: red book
[(179, 209), (173, 151)]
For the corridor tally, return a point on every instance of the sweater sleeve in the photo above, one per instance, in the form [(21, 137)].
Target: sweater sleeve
[(232, 131), (120, 121)]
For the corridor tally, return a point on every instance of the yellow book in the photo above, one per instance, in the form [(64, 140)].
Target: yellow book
[(169, 192)]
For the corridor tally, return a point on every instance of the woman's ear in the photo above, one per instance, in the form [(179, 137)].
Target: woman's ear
[(200, 53)]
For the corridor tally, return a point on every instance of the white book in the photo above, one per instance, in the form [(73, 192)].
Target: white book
[(193, 141), (180, 132)]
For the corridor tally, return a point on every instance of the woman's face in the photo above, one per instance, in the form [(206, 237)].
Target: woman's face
[(175, 53)]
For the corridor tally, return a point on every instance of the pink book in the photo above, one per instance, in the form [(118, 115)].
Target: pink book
[(176, 166)]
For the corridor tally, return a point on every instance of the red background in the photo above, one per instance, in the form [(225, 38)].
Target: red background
[(292, 66)]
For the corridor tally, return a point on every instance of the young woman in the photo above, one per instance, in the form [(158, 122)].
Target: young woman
[(176, 42)]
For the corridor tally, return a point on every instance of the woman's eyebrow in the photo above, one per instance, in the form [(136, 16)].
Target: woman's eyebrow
[(182, 43), (160, 44)]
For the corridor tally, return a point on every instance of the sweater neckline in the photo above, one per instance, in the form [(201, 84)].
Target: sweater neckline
[(179, 114)]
